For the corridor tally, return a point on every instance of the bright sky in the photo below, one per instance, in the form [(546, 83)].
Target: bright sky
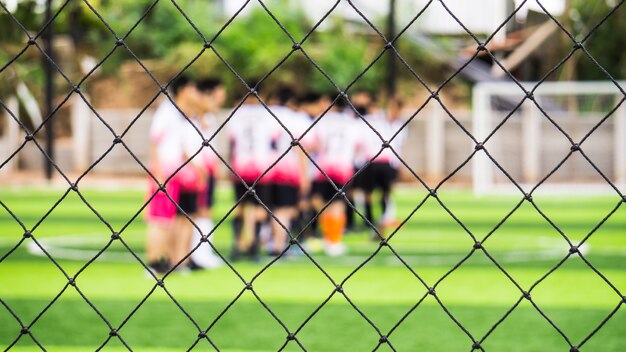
[(11, 5), (554, 7)]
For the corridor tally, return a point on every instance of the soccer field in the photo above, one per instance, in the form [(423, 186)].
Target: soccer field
[(477, 294)]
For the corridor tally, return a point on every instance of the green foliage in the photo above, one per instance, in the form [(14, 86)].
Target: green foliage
[(162, 28), (9, 30), (343, 62), (253, 44), (607, 44)]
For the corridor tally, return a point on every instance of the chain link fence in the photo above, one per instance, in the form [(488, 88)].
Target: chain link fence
[(298, 46)]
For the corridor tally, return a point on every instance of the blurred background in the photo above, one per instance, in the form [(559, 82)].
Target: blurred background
[(432, 48)]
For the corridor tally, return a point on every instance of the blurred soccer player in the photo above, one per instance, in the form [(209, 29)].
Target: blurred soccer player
[(166, 156), (336, 139), (290, 179), (212, 94), (251, 130), (363, 103), (191, 179), (311, 105), (383, 170)]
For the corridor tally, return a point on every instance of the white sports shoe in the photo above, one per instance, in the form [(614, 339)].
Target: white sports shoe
[(313, 245), (335, 249)]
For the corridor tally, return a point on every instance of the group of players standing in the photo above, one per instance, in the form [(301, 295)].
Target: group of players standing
[(289, 160)]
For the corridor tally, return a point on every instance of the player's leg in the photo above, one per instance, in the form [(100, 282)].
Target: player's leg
[(368, 184), (238, 220), (188, 207), (253, 215), (332, 220), (306, 223), (248, 220), (203, 257), (350, 195), (278, 221), (390, 174), (285, 202), (359, 196), (333, 224), (260, 218), (156, 245), (160, 217)]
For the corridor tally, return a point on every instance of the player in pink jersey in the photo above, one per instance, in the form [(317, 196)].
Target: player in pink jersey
[(337, 139), (166, 157), (290, 178), (213, 96), (251, 130), (383, 170)]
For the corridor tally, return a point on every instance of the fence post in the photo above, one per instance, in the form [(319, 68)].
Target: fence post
[(81, 128), (435, 143), (391, 33), (12, 138), (49, 89), (619, 140), (482, 168), (531, 143)]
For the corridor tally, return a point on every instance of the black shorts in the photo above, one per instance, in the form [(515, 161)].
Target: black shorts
[(208, 195), (263, 191), (187, 202), (325, 190), (380, 176), (285, 195), (359, 181)]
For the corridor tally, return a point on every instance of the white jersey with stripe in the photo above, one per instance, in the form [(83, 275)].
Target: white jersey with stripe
[(387, 129), (166, 133), (288, 170), (192, 142), (251, 130), (337, 137), (369, 138)]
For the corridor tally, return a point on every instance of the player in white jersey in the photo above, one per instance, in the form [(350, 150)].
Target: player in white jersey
[(310, 106), (251, 130), (337, 139), (290, 178), (213, 95), (166, 157), (364, 105), (383, 170)]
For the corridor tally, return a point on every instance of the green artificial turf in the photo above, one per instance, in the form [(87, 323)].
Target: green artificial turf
[(431, 243)]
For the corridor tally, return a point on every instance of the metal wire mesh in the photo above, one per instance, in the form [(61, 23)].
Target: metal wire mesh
[(299, 47)]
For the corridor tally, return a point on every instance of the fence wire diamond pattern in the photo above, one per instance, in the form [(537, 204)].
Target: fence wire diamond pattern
[(299, 47)]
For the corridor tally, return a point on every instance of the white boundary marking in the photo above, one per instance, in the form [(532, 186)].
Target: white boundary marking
[(59, 248)]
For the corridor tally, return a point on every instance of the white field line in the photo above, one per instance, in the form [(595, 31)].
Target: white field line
[(64, 247), (61, 247)]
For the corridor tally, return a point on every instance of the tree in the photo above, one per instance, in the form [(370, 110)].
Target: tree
[(607, 44)]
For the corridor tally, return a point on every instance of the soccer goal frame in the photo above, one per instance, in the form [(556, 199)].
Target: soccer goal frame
[(483, 169)]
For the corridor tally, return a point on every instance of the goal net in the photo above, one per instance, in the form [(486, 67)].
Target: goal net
[(533, 141)]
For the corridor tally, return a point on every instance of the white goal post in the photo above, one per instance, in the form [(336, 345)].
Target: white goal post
[(526, 145)]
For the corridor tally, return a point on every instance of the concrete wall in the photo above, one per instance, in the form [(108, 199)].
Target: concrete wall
[(119, 160), (431, 156)]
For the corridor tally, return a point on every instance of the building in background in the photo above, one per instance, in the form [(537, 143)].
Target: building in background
[(478, 16)]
